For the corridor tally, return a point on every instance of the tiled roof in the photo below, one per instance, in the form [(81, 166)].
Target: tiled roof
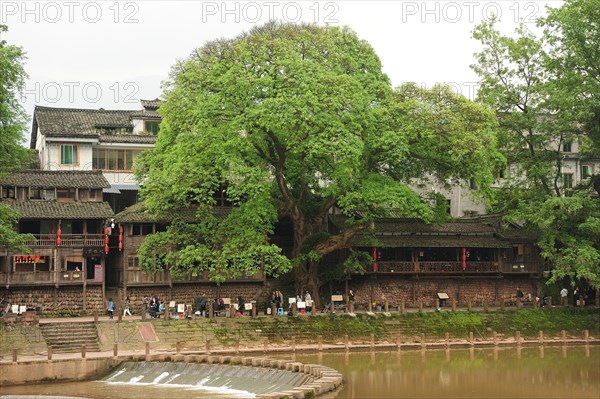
[(151, 104), (469, 232), (151, 114), (90, 123), (456, 241), (128, 138), (52, 121), (413, 226), (61, 210), (137, 214), (55, 179)]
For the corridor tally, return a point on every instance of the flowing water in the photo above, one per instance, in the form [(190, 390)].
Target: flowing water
[(536, 372)]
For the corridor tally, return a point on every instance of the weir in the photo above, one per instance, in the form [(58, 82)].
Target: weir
[(232, 379)]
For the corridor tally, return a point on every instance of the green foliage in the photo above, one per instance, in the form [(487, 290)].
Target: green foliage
[(13, 122), (13, 119), (288, 122), (569, 229), (546, 92), (8, 237)]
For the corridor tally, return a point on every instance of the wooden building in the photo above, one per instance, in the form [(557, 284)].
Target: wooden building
[(65, 213)]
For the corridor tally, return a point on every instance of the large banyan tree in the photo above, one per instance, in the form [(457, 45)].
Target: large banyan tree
[(288, 122)]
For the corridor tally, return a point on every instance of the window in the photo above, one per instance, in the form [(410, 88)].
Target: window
[(133, 262), (141, 229), (35, 193), (503, 173), (49, 194), (449, 206), (66, 194), (567, 147), (8, 192), (117, 160), (586, 171), (69, 154), (472, 184), (568, 180), (151, 127)]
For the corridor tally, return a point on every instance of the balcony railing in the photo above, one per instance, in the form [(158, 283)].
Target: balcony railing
[(138, 277), (439, 267), (42, 278), (67, 240)]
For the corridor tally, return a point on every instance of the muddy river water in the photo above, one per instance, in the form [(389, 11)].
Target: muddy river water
[(528, 372)]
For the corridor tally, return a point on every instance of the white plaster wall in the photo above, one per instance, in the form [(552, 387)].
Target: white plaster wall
[(138, 125), (119, 178)]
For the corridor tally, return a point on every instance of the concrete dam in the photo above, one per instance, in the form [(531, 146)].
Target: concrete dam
[(231, 379)]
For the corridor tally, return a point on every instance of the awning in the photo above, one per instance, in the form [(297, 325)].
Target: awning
[(131, 186), (111, 190)]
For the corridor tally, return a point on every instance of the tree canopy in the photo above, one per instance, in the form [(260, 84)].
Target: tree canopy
[(546, 93), (12, 124), (291, 123)]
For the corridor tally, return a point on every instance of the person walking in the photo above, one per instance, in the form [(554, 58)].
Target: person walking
[(563, 296), (126, 311), (110, 308)]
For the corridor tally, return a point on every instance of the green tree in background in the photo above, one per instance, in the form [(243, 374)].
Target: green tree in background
[(546, 94), (293, 122), (13, 120)]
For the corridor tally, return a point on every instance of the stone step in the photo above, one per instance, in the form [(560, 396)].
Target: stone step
[(70, 337)]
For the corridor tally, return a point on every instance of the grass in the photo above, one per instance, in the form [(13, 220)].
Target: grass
[(331, 328)]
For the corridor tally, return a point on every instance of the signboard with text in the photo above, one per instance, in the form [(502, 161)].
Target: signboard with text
[(31, 259)]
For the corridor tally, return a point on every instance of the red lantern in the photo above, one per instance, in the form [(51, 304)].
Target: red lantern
[(464, 258), (374, 259), (58, 238), (106, 240)]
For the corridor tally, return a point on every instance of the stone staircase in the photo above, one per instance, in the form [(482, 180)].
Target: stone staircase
[(67, 337)]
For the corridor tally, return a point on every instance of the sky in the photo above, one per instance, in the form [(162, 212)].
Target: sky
[(110, 54)]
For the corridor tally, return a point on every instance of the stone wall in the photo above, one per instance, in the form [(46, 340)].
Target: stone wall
[(394, 289), (63, 301), (69, 300), (189, 293)]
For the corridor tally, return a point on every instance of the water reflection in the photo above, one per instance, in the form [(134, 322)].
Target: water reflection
[(514, 372)]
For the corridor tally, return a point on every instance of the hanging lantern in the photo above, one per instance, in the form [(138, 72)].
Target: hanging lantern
[(464, 258), (374, 259), (106, 240), (120, 238), (58, 236)]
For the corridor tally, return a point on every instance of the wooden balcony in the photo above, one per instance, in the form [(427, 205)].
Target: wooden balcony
[(67, 240), (138, 277), (437, 267), (42, 278)]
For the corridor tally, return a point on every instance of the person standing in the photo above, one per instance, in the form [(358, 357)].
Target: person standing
[(308, 300), (202, 304), (110, 308), (520, 294), (563, 296), (576, 296), (126, 311), (278, 299)]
